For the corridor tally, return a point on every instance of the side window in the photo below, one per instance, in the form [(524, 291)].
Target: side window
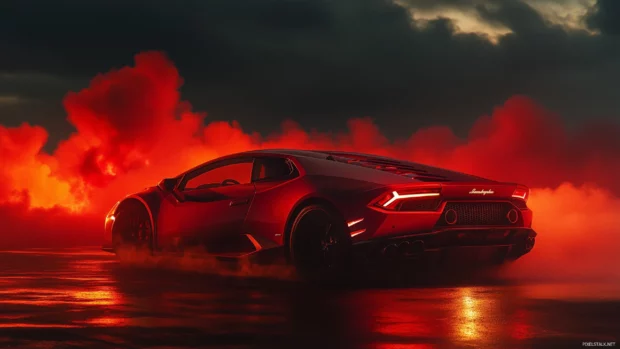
[(226, 174), (266, 169)]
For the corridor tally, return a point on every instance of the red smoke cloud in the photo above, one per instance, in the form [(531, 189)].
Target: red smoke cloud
[(133, 129)]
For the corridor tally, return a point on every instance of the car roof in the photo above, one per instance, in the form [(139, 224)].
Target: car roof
[(293, 152), (321, 154), (285, 152), (376, 161)]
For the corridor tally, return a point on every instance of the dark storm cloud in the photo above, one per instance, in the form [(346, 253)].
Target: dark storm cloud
[(606, 17), (318, 61), (427, 4), (517, 16), (535, 45)]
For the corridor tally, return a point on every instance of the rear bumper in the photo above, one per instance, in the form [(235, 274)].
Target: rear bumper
[(466, 244)]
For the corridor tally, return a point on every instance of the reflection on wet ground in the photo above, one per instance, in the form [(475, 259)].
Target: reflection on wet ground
[(84, 298)]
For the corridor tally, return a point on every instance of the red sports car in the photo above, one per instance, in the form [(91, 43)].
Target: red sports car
[(322, 210)]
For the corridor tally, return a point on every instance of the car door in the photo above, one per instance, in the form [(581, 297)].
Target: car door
[(210, 205), (275, 196)]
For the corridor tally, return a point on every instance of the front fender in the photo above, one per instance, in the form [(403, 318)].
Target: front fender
[(150, 198)]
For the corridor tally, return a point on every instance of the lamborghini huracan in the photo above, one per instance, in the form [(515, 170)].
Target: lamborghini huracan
[(321, 210)]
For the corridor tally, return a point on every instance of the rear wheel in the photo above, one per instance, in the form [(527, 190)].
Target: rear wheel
[(132, 227), (319, 244)]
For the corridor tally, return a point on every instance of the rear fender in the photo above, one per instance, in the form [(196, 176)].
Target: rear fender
[(305, 202)]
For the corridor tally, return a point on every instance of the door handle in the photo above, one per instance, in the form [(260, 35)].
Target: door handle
[(239, 202)]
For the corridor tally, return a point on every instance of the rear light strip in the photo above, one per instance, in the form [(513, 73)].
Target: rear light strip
[(390, 200), (396, 196), (522, 193)]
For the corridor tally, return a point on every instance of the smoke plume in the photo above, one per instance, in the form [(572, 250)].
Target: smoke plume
[(132, 129)]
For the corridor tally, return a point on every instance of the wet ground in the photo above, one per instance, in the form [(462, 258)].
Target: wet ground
[(84, 298)]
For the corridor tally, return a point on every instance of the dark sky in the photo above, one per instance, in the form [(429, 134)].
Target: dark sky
[(407, 63)]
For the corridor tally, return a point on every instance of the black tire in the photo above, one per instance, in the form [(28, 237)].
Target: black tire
[(320, 246), (132, 227)]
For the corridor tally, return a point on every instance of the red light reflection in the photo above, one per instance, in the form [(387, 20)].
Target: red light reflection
[(521, 329)]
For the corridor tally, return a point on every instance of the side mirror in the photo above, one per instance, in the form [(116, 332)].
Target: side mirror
[(168, 184)]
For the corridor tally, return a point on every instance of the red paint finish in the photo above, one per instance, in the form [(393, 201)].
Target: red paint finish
[(210, 212)]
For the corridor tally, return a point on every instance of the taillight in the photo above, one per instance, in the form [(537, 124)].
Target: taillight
[(522, 193), (389, 201)]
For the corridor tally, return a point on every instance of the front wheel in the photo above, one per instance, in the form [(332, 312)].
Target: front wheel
[(132, 228), (319, 244)]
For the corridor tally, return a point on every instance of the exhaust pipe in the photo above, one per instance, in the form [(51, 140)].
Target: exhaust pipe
[(417, 247), (391, 251), (404, 248), (529, 243)]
